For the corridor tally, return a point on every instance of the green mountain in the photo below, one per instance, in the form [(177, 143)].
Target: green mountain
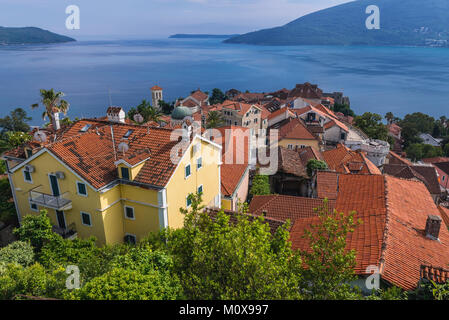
[(402, 22), (30, 35), (202, 36)]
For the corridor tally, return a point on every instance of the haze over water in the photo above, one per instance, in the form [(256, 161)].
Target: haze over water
[(377, 79)]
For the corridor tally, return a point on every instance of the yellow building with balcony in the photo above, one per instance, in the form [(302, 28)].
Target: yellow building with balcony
[(115, 181)]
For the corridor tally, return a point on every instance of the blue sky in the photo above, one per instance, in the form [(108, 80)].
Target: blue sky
[(157, 18)]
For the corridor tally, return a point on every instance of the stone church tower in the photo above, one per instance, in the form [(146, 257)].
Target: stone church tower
[(156, 95)]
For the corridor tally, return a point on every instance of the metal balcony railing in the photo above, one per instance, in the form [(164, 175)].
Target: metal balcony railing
[(61, 202), (67, 233)]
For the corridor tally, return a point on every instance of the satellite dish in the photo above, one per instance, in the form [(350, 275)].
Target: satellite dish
[(138, 118), (40, 136), (123, 147), (188, 118)]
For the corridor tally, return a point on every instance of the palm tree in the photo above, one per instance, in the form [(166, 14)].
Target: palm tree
[(148, 112), (53, 103), (214, 120), (389, 117)]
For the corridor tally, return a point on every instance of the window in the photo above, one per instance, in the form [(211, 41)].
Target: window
[(85, 128), (188, 173), (255, 120), (27, 176), (290, 146), (34, 207), (188, 201), (82, 189), (199, 163), (125, 173), (129, 213), (130, 238), (127, 134), (29, 153), (343, 136), (85, 219), (444, 177), (200, 189)]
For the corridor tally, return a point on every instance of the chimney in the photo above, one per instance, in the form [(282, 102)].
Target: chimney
[(433, 225), (56, 124)]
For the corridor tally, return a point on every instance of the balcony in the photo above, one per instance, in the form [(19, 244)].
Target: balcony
[(69, 233), (61, 202)]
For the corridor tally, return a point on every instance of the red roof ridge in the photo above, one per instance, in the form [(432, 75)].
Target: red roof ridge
[(385, 237)]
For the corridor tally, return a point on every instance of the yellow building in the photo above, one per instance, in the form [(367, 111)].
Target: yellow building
[(115, 181)]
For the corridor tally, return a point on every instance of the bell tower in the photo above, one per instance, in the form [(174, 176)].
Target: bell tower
[(156, 96)]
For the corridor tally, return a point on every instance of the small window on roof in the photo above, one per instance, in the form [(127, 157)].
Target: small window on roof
[(128, 133), (86, 127)]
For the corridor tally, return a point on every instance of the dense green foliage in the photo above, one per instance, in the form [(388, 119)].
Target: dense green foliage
[(260, 185), (18, 252), (217, 96), (343, 108), (148, 112), (314, 165), (418, 151), (371, 124), (7, 208), (214, 120)]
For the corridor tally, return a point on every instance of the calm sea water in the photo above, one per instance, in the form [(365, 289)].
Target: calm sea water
[(400, 80)]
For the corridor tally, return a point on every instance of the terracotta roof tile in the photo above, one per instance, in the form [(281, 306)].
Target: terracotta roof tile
[(394, 213), (344, 160), (285, 208)]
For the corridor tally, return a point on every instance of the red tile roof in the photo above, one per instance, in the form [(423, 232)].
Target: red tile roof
[(91, 154), (344, 160), (394, 213), (295, 129), (156, 88), (399, 159), (285, 208), (435, 160), (327, 184), (231, 175)]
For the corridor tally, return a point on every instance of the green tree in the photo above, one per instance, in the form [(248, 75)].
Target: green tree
[(125, 284), (166, 107), (389, 116), (423, 123), (217, 97), (371, 124), (330, 267), (260, 185), (8, 213), (214, 120), (13, 140), (216, 259), (36, 229), (315, 165), (18, 252), (33, 280), (147, 112), (343, 108), (15, 121), (52, 102)]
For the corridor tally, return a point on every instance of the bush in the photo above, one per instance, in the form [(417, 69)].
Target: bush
[(261, 186), (17, 252)]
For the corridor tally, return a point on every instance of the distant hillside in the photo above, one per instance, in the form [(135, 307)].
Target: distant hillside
[(203, 36), (402, 22), (30, 35)]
